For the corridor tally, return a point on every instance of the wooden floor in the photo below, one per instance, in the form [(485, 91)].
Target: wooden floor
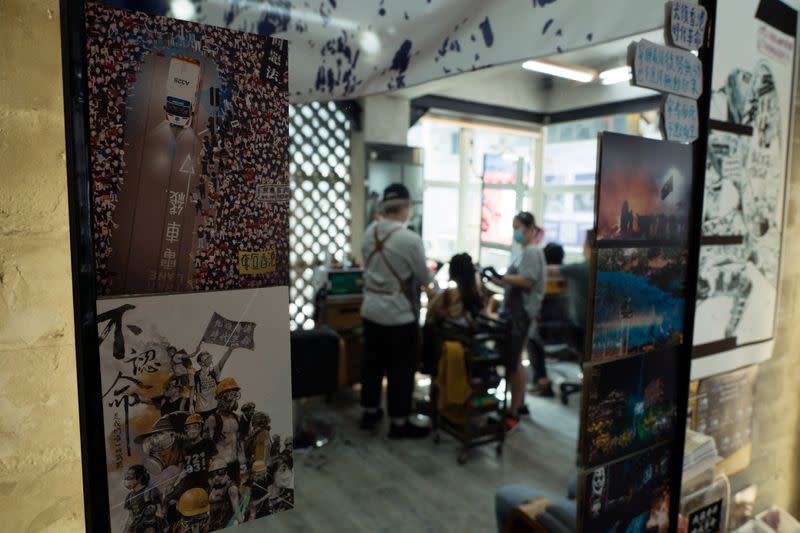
[(362, 482)]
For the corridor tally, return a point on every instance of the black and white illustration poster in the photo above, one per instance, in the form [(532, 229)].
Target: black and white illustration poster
[(197, 409), (748, 144)]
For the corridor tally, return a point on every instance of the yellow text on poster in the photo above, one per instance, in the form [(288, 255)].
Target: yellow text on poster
[(262, 262)]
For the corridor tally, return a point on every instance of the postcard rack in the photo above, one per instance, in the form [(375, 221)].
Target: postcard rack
[(479, 421)]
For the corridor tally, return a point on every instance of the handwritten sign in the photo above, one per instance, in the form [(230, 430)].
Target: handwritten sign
[(679, 119), (707, 519), (262, 262), (666, 69), (687, 24)]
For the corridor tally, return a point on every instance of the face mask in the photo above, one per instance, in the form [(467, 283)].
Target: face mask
[(519, 236)]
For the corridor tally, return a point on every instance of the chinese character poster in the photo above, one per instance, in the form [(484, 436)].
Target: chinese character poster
[(188, 147), (197, 409), (188, 125)]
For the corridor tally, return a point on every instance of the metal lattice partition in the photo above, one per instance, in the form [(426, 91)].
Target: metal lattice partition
[(319, 222)]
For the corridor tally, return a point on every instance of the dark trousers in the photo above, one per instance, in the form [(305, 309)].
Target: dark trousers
[(390, 351), (536, 355)]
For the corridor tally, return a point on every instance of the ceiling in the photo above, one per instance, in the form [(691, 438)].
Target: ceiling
[(512, 86)]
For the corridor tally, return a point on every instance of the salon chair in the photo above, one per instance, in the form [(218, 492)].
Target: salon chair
[(558, 336), (315, 372)]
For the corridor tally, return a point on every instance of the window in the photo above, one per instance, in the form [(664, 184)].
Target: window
[(569, 168), (462, 213), (479, 175)]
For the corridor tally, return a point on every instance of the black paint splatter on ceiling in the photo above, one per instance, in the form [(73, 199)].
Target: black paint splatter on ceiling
[(486, 30)]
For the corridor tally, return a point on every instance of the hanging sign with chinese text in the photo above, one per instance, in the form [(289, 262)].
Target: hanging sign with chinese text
[(666, 69)]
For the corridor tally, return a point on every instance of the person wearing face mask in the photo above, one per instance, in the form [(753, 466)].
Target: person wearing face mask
[(222, 428), (193, 508), (281, 490), (524, 283), (142, 501), (223, 497), (196, 452), (394, 269)]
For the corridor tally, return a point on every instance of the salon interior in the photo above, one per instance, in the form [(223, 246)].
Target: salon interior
[(473, 150)]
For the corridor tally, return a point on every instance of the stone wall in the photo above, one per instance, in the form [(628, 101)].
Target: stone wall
[(40, 468)]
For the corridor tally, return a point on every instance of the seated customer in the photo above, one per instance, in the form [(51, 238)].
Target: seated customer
[(577, 277), (462, 302), (553, 253)]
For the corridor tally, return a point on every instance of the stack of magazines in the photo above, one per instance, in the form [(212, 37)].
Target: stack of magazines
[(700, 456)]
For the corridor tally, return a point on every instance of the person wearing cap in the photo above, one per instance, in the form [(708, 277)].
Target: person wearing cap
[(259, 491), (222, 427), (161, 443), (394, 269), (223, 496), (197, 453), (193, 508), (206, 380), (524, 283)]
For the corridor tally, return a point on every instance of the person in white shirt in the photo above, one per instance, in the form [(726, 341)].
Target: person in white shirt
[(394, 270), (524, 282)]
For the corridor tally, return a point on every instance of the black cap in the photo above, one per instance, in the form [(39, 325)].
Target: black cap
[(396, 191)]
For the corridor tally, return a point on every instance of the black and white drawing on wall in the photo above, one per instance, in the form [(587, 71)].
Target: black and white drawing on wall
[(196, 409), (734, 296), (745, 179), (351, 48)]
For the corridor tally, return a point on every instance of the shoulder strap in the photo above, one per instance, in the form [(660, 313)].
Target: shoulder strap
[(380, 245)]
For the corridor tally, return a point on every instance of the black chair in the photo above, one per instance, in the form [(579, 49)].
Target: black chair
[(315, 372), (559, 337)]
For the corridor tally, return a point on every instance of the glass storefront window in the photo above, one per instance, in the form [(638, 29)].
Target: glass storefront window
[(441, 142), (440, 226)]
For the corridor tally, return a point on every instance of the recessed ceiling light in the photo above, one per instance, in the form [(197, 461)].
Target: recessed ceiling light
[(579, 74)]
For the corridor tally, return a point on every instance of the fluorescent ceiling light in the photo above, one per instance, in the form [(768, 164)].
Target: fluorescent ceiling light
[(182, 9), (615, 75), (580, 74)]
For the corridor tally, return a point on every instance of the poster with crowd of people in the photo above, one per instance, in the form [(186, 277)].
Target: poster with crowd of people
[(189, 174), (189, 148), (746, 165)]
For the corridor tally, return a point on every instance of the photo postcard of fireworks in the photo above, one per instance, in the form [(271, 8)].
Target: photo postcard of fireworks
[(630, 405), (639, 300), (629, 495), (644, 191)]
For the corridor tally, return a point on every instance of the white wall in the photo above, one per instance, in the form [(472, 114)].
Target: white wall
[(384, 119)]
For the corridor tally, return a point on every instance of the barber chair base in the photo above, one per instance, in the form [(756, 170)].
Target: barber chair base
[(567, 378), (313, 433)]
